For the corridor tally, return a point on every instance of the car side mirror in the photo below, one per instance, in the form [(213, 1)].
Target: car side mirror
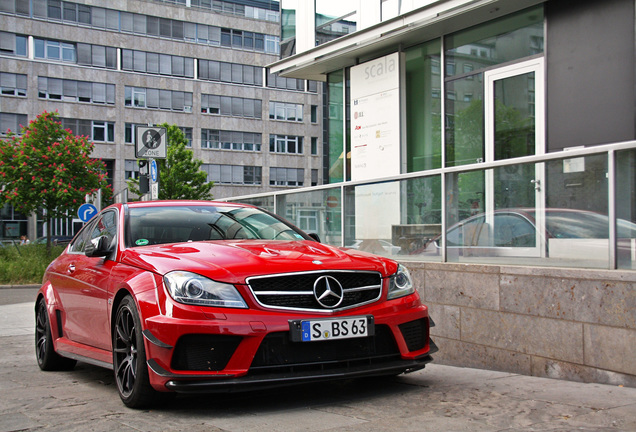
[(98, 247), (314, 236)]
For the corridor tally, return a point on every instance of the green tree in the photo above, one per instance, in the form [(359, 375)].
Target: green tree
[(48, 170), (180, 176)]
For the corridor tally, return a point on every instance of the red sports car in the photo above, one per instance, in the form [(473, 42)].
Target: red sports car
[(193, 296)]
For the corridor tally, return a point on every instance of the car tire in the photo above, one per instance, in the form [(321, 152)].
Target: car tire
[(48, 359), (129, 358)]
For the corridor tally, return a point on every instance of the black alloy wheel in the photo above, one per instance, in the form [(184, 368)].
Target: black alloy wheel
[(48, 359), (129, 358)]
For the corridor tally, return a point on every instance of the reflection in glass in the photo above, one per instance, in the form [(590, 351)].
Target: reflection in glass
[(499, 41), (335, 125), (464, 107), (514, 117), (423, 107), (626, 209), (318, 212), (334, 19), (288, 28)]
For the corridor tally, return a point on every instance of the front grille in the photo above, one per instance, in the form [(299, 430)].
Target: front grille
[(278, 354), (415, 334), (203, 352), (295, 291)]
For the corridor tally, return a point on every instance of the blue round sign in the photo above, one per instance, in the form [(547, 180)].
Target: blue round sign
[(86, 212), (153, 171)]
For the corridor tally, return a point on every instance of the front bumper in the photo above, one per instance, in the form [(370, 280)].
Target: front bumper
[(240, 350)]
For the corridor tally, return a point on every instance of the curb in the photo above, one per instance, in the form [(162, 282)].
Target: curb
[(25, 286)]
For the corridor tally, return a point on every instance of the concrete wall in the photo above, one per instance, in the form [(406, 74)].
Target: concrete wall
[(578, 325)]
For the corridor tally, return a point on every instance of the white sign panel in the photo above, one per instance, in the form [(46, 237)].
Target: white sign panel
[(375, 118), (151, 142), (375, 145)]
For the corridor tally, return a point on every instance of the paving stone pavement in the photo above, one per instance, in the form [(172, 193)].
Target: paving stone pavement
[(439, 398)]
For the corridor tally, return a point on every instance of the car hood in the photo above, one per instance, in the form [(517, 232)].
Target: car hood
[(234, 261)]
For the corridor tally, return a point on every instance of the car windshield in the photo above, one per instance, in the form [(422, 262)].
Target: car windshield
[(174, 224)]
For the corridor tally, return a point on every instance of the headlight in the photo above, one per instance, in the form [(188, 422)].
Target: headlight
[(191, 288), (400, 284)]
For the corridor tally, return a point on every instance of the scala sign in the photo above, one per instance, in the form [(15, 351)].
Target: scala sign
[(151, 142)]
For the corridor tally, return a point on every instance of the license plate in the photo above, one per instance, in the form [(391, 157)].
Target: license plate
[(328, 329)]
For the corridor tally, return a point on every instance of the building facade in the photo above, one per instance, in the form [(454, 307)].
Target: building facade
[(490, 146), (108, 67)]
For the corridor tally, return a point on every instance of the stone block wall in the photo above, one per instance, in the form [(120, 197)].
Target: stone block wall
[(572, 324)]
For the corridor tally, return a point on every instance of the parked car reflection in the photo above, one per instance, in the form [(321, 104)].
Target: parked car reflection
[(567, 233)]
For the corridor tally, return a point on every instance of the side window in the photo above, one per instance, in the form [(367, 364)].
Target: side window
[(106, 225), (80, 240)]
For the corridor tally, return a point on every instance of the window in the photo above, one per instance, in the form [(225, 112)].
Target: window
[(230, 72), (286, 144), (286, 111), (130, 135), (100, 131), (55, 50), (97, 56), (314, 114), (276, 81), (153, 63), (11, 44), (103, 131), (131, 170), (314, 177), (286, 176), (314, 146), (76, 91), (230, 140), (140, 97), (231, 106), (13, 84), (233, 174), (12, 123)]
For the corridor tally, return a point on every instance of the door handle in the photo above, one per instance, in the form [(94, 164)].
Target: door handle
[(71, 268)]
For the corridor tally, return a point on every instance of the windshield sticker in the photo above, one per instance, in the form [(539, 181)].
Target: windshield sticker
[(142, 242)]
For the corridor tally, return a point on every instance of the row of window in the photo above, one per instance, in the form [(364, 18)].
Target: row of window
[(231, 8), (148, 62), (100, 131), (139, 97), (103, 131), (76, 91), (241, 174), (127, 22)]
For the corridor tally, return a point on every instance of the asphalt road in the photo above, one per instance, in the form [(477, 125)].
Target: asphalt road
[(439, 398), (17, 295)]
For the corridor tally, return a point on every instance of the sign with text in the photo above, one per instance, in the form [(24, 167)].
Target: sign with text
[(375, 118), (151, 142), (375, 145)]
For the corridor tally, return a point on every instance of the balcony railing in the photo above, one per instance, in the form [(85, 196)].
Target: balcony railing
[(573, 208)]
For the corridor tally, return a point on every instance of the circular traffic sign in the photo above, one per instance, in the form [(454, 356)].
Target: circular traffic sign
[(151, 139), (86, 212)]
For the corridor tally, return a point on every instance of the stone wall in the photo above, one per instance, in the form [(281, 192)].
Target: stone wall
[(571, 324)]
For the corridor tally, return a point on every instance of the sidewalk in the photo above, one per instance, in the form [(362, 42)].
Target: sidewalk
[(438, 398)]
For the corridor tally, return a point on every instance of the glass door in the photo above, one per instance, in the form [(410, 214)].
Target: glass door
[(514, 123)]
